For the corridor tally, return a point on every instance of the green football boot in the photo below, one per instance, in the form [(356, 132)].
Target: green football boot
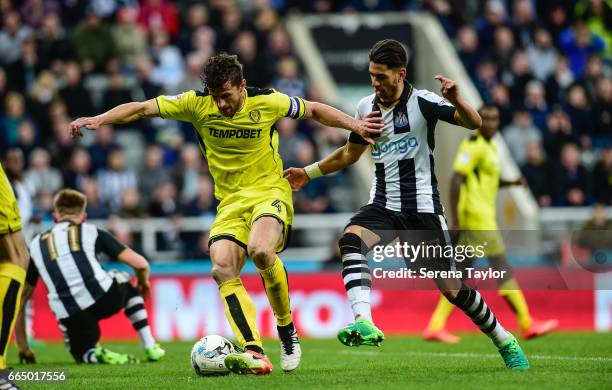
[(155, 354), (106, 356), (362, 332), (513, 355)]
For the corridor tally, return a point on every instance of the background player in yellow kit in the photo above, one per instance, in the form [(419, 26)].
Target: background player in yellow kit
[(14, 260), (474, 188), (235, 128)]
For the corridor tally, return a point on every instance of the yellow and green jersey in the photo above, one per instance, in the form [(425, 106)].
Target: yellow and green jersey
[(478, 161), (242, 151)]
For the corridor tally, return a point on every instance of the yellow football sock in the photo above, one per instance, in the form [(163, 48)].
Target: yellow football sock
[(277, 290), (11, 283), (240, 312), (440, 315), (511, 291)]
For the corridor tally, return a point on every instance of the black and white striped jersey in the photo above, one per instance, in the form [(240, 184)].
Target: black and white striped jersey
[(65, 258), (404, 177)]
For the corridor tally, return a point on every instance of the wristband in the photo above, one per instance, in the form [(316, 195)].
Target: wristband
[(313, 171)]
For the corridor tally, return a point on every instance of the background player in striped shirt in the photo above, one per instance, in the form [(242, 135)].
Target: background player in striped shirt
[(404, 201), (80, 292), (235, 128), (474, 188)]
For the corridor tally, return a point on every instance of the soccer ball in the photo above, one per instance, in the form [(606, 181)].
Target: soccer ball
[(208, 355)]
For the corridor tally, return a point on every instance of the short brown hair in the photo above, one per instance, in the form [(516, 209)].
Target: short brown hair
[(69, 202), (221, 69), (389, 52)]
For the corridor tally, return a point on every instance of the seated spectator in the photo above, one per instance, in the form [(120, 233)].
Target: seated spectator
[(187, 173), (536, 172), (523, 21), (577, 44), (114, 180), (602, 178), (518, 77), (570, 184), (288, 140), (27, 138), (535, 102), (39, 101), (159, 15), (486, 79), (313, 197), (519, 133), (153, 174), (12, 36), (41, 176), (504, 48), (131, 205), (254, 68), (93, 43), (130, 39), (95, 208), (54, 47), (147, 88), (501, 99), (467, 49), (559, 81), (494, 16), (74, 94), (195, 63), (168, 70), (62, 145), (204, 203), (14, 114), (602, 112), (196, 17), (578, 109), (542, 55), (558, 133), (116, 93), (164, 203), (288, 80), (78, 170), (104, 143)]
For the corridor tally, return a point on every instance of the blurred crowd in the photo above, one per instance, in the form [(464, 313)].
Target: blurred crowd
[(545, 64), (60, 60)]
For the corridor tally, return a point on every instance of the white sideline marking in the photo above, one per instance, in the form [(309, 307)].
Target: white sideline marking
[(472, 355)]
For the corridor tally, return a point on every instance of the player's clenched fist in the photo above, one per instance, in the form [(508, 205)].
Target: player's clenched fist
[(448, 88), (297, 178)]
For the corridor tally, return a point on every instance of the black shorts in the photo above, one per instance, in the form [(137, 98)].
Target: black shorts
[(81, 330), (413, 228)]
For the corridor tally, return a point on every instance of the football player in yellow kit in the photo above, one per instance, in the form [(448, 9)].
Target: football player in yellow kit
[(14, 259), (474, 188), (235, 128)]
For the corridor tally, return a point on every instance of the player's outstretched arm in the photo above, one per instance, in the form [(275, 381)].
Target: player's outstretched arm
[(368, 127), (26, 355), (123, 113), (339, 159), (465, 115), (141, 267)]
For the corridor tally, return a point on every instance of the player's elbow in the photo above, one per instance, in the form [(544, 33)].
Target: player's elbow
[(475, 123)]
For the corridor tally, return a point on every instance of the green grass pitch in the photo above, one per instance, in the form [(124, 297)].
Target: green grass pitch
[(562, 360)]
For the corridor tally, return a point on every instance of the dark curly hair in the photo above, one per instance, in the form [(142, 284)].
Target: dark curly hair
[(220, 69), (389, 52)]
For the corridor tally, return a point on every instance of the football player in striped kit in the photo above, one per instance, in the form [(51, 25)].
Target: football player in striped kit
[(404, 199), (80, 292)]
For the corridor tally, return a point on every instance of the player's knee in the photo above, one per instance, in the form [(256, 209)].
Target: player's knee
[(352, 243), (222, 271), (262, 256)]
